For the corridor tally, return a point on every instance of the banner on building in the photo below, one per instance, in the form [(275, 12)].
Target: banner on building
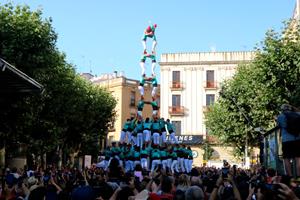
[(188, 139)]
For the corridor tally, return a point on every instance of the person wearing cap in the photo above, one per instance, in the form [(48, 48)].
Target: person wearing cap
[(149, 33), (290, 142)]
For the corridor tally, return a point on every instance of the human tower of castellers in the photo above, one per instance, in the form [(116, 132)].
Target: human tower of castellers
[(143, 141)]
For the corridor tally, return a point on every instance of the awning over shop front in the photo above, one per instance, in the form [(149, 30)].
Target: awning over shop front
[(14, 82)]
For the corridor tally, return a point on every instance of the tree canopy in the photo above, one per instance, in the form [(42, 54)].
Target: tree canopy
[(253, 96), (71, 112)]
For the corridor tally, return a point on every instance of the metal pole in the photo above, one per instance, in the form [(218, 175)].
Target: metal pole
[(246, 147), (246, 160), (206, 156), (247, 164)]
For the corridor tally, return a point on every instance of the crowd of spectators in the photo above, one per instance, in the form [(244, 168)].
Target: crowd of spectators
[(114, 183)]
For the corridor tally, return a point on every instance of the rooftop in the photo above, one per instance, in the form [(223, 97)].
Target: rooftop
[(198, 57)]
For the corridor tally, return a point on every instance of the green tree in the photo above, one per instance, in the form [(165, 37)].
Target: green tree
[(70, 113), (253, 96), (28, 41)]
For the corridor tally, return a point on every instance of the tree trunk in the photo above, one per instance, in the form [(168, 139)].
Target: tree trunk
[(64, 160), (72, 155), (38, 161), (59, 158), (2, 157), (74, 151), (72, 159), (32, 158), (44, 160)]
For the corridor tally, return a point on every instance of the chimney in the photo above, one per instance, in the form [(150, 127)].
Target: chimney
[(115, 74)]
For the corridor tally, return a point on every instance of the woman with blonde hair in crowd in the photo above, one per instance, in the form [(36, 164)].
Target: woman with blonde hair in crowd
[(183, 182)]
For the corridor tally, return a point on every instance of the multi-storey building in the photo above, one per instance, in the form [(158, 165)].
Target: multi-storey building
[(190, 82), (296, 13), (127, 95), (295, 18)]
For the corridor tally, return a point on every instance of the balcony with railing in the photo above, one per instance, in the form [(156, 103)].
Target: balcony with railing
[(176, 110), (211, 85), (176, 85)]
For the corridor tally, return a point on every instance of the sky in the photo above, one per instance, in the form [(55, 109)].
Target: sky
[(102, 36)]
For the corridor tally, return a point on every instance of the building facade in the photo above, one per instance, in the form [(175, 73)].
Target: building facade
[(127, 95), (296, 13), (190, 83)]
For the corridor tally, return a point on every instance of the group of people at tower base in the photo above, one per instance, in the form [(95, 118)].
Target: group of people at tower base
[(177, 158)]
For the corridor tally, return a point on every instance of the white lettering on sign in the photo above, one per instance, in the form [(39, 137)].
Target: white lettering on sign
[(187, 139), (182, 137)]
